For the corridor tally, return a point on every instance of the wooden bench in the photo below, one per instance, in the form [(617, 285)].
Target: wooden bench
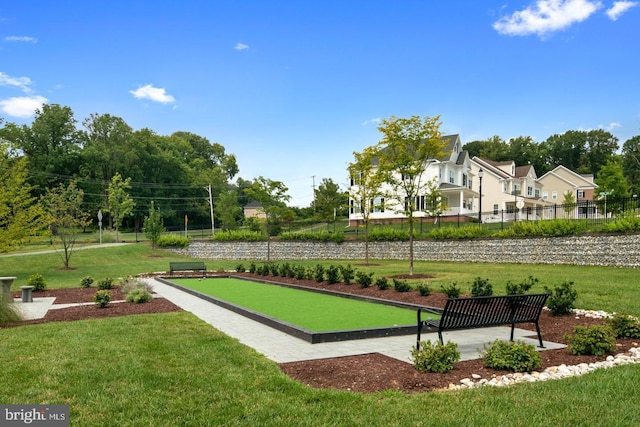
[(482, 312), (187, 266)]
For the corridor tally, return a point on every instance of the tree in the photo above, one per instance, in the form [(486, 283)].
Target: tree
[(567, 150), (120, 203), (568, 201), (272, 195), (366, 189), (228, 210), (328, 200), (63, 205), (612, 185), (601, 147), (523, 150), (631, 162), (435, 203), (20, 214), (108, 151), (404, 153), (493, 148), (52, 145), (153, 226)]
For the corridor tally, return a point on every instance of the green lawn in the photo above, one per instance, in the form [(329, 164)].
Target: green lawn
[(174, 369), (309, 310)]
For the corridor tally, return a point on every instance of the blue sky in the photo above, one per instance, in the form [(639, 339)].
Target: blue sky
[(292, 88)]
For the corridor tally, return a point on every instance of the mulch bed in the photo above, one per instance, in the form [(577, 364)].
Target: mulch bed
[(364, 373)]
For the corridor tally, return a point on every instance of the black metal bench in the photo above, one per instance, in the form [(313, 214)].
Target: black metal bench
[(482, 312), (187, 266)]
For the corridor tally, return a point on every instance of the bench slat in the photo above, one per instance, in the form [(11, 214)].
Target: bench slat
[(479, 312)]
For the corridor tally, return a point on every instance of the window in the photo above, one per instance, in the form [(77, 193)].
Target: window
[(516, 188), (529, 191), (495, 209), (352, 206), (537, 192), (545, 195), (580, 194), (379, 205), (554, 195), (420, 205), (464, 179), (504, 187), (451, 180)]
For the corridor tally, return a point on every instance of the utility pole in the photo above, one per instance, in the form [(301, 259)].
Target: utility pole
[(213, 228), (313, 177)]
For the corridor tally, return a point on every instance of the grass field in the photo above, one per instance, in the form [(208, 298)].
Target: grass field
[(174, 369), (310, 310)]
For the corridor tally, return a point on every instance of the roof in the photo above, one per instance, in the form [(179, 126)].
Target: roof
[(254, 204)]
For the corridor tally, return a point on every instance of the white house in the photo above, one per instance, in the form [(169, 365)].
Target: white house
[(453, 173)]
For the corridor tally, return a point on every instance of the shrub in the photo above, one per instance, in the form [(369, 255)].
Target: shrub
[(424, 289), (139, 296), (102, 298), (401, 285), (364, 279), (131, 284), (347, 273), (262, 270), (320, 236), (332, 274), (240, 268), (173, 240), (562, 300), (451, 291), (274, 269), (388, 234), (521, 288), (630, 222), (238, 236), (435, 357), (625, 326), (318, 273), (382, 283), (252, 267), (8, 313), (464, 232), (596, 340), (37, 281), (86, 282), (512, 356), (106, 283), (299, 272), (481, 288)]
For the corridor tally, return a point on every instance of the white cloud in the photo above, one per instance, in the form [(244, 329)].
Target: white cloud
[(155, 94), (19, 82), (546, 16), (26, 39), (620, 7), (374, 120), (241, 46), (22, 106), (611, 126)]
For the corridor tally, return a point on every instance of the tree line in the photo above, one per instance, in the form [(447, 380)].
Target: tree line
[(179, 173)]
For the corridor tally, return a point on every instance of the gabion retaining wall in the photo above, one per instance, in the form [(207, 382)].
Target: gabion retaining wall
[(619, 251)]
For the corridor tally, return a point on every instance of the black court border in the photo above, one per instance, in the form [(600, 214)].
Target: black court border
[(306, 334)]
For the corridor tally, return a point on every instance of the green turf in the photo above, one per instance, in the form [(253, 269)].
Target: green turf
[(310, 310)]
